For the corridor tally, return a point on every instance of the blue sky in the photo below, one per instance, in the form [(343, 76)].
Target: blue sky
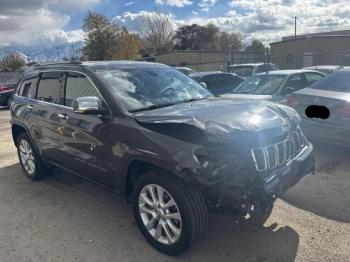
[(53, 22)]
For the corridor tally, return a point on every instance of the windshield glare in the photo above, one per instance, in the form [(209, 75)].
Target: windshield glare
[(143, 88), (244, 71), (261, 85)]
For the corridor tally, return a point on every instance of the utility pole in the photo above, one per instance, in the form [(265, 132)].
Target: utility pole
[(58, 54), (73, 52), (295, 26)]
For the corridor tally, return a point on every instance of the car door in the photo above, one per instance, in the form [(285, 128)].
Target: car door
[(86, 146), (49, 99)]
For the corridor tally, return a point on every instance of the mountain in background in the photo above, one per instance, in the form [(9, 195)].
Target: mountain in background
[(45, 53)]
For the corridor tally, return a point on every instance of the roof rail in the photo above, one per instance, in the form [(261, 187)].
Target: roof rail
[(58, 63)]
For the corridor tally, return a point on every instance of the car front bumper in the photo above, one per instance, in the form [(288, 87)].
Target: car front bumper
[(287, 176)]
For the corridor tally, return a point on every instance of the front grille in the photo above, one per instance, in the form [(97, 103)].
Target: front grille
[(277, 154)]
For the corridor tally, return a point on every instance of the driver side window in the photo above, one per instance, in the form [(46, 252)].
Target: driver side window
[(78, 85)]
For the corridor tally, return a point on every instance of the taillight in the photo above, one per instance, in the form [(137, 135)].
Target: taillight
[(344, 110), (292, 101), (2, 88)]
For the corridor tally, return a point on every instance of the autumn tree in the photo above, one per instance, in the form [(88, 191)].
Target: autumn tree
[(128, 45), (12, 62), (256, 46)]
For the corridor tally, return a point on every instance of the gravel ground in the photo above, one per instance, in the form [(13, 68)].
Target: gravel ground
[(64, 218)]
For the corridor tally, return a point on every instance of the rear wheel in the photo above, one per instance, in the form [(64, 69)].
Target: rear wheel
[(170, 214), (31, 163)]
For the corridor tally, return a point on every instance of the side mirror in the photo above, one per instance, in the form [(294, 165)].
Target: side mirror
[(203, 84), (87, 105), (289, 90)]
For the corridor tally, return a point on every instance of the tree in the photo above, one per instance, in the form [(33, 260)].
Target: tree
[(256, 46), (157, 30), (107, 41), (230, 41), (128, 46), (12, 62), (196, 37)]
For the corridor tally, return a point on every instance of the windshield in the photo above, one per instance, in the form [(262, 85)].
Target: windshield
[(261, 85), (244, 71), (142, 88)]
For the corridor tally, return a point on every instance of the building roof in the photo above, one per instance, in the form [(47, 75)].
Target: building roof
[(304, 37)]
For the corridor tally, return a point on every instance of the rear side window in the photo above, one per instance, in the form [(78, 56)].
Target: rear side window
[(338, 81), (28, 88), (49, 88), (78, 85), (313, 78)]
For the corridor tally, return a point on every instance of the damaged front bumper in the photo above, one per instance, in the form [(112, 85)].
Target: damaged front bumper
[(230, 196), (287, 176)]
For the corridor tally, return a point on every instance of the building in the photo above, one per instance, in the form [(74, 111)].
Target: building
[(209, 60), (327, 48)]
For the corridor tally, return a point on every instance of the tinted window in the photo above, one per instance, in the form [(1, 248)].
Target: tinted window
[(211, 81), (78, 85), (338, 81), (49, 88), (312, 77), (28, 88)]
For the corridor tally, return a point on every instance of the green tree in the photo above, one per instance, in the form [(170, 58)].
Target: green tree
[(230, 41), (197, 37), (256, 46), (105, 40)]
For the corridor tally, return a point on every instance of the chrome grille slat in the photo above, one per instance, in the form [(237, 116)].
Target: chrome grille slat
[(271, 156)]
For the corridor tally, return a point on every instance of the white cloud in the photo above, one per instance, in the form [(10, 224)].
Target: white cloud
[(178, 3), (130, 3), (205, 5), (33, 22)]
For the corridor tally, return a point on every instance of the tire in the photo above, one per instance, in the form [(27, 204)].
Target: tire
[(189, 203), (40, 170)]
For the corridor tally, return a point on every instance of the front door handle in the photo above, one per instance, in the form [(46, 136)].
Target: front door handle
[(30, 107), (63, 116)]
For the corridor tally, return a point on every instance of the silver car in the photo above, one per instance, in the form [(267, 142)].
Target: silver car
[(325, 107)]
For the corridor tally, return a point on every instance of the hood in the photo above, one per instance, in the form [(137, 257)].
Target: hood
[(218, 117), (248, 96)]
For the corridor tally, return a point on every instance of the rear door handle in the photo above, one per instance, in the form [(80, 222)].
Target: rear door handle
[(63, 116)]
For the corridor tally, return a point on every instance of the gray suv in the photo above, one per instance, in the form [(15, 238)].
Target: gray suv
[(160, 139)]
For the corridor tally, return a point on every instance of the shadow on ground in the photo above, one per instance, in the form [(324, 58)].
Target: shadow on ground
[(327, 192), (64, 218)]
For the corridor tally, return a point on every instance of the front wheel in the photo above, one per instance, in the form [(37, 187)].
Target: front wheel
[(170, 214)]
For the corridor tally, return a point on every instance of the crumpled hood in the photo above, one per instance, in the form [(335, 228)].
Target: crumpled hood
[(219, 116), (248, 96)]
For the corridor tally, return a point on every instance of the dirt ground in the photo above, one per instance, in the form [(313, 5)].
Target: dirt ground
[(64, 218)]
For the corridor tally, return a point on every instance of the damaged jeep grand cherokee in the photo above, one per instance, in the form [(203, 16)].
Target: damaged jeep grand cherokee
[(160, 139)]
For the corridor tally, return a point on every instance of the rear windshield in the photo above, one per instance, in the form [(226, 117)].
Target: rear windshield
[(338, 81), (242, 70)]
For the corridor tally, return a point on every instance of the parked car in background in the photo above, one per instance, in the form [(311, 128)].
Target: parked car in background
[(247, 70), (218, 83), (187, 71), (161, 140), (326, 69), (275, 85), (325, 108), (6, 91)]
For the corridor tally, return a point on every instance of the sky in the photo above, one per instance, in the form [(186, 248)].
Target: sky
[(54, 22)]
